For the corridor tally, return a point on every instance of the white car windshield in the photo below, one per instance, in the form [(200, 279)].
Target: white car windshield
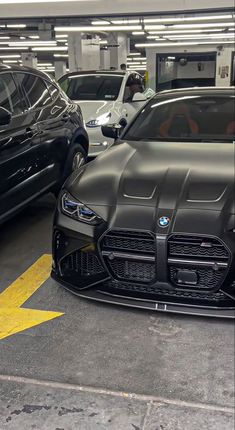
[(92, 87)]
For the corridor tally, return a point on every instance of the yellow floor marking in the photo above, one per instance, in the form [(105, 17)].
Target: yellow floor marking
[(24, 287), (13, 318)]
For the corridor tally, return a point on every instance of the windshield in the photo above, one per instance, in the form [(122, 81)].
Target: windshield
[(92, 87), (189, 118)]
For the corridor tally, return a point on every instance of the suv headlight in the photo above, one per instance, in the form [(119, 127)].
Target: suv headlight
[(78, 211), (101, 120)]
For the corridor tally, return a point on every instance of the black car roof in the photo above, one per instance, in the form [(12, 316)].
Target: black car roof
[(6, 68), (198, 90)]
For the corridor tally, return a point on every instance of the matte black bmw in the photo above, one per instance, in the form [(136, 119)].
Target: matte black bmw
[(42, 138), (151, 222)]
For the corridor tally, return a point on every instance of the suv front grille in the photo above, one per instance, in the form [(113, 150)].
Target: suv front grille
[(204, 260), (130, 255)]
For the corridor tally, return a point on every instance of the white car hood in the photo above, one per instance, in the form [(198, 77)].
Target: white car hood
[(93, 109)]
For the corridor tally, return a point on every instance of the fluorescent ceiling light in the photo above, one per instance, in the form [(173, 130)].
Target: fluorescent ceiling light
[(16, 25), (204, 36), (100, 22), (63, 41), (205, 25), (44, 64), (33, 43), (4, 37), (10, 61), (58, 36), (50, 48), (125, 21), (186, 31), (189, 18), (10, 48), (153, 45), (38, 1), (103, 42), (10, 56), (139, 58), (97, 29), (138, 33), (191, 26), (61, 55), (33, 36), (134, 53)]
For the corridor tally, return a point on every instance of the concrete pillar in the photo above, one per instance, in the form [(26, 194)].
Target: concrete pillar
[(60, 68), (104, 59), (119, 46), (223, 67), (29, 59), (84, 52), (151, 69)]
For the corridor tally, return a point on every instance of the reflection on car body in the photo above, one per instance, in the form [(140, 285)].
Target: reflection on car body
[(42, 137)]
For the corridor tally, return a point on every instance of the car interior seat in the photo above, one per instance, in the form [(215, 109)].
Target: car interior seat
[(179, 124)]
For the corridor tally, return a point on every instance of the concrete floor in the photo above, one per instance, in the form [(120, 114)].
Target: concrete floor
[(78, 372)]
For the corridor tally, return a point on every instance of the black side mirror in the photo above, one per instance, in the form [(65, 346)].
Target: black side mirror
[(112, 130), (5, 116)]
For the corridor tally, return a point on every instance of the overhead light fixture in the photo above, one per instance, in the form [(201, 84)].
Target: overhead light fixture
[(185, 43), (59, 36), (61, 55), (153, 45), (219, 30), (125, 21), (100, 22), (10, 56), (203, 36), (50, 48), (134, 53), (10, 61), (33, 43), (4, 37), (97, 29), (191, 26), (44, 64), (33, 36), (189, 18), (138, 33), (16, 25), (15, 48), (103, 42)]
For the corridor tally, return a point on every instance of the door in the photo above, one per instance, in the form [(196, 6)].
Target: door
[(52, 119), (17, 162), (135, 84)]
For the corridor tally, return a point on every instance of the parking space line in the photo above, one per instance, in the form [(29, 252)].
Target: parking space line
[(27, 284), (14, 318), (121, 394)]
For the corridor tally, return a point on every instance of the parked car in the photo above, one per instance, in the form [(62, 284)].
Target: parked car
[(42, 138), (151, 222), (105, 98)]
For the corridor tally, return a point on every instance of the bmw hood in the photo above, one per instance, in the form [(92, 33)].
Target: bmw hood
[(161, 179), (93, 109)]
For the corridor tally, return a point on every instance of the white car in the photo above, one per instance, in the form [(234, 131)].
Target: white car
[(105, 97)]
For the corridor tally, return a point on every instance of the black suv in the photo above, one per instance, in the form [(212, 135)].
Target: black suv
[(42, 138)]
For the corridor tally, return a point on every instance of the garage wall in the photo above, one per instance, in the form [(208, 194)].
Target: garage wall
[(106, 7), (224, 58)]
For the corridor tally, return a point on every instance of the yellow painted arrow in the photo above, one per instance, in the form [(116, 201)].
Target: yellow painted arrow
[(13, 318)]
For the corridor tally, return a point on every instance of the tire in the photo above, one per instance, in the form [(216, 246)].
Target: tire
[(72, 164), (77, 157)]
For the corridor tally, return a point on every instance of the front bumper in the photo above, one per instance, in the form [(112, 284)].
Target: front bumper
[(81, 266)]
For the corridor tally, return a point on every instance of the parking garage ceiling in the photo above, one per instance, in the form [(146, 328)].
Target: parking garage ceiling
[(48, 38)]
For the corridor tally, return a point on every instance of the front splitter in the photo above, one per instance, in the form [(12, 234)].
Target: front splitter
[(99, 295)]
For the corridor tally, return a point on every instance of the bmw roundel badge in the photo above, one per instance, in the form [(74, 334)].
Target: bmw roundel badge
[(164, 221)]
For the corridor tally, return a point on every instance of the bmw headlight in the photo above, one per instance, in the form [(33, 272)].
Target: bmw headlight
[(101, 120), (78, 211)]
